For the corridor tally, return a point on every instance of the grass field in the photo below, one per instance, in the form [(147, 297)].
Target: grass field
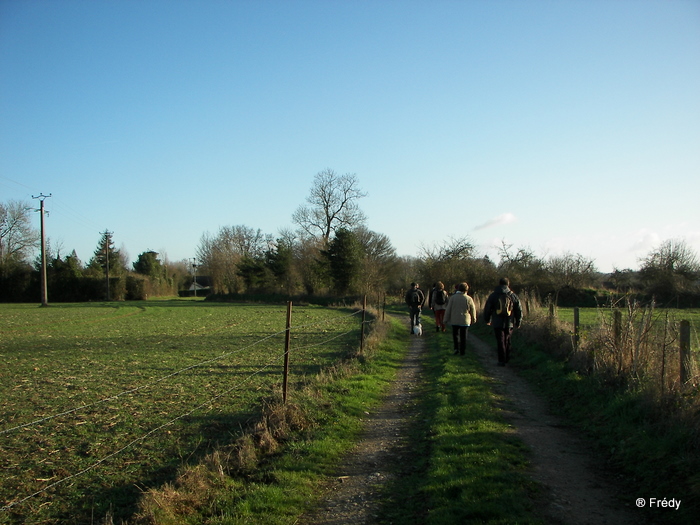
[(102, 401)]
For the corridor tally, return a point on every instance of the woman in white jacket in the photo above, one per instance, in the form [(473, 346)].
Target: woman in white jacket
[(460, 313)]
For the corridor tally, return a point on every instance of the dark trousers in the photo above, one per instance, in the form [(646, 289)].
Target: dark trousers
[(503, 336), (459, 338), (415, 315)]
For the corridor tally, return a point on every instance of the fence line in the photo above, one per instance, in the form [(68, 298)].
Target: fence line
[(618, 328), (338, 336), (151, 432)]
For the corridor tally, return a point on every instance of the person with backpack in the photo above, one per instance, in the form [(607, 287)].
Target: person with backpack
[(460, 313), (503, 311), (438, 302), (415, 299)]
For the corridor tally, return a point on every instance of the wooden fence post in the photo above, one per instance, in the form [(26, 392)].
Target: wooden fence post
[(362, 331), (287, 339), (663, 357), (617, 328), (685, 351), (384, 308), (576, 327), (551, 315)]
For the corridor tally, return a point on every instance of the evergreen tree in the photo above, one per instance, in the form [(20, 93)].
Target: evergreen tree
[(279, 261), (149, 265), (344, 256), (106, 253), (107, 262), (65, 278)]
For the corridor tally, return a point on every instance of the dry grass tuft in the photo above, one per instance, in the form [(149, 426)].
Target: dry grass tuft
[(195, 488)]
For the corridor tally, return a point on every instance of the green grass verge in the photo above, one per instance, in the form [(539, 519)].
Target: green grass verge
[(467, 464)]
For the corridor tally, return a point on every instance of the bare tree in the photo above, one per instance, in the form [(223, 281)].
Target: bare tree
[(521, 266), (17, 237), (572, 270), (674, 256), (455, 248), (331, 205), (221, 254), (671, 268), (451, 262)]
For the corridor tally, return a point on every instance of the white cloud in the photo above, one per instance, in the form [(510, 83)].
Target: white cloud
[(644, 240), (506, 218)]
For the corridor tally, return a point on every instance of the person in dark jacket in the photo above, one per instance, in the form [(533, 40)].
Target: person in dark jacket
[(503, 311), (414, 300)]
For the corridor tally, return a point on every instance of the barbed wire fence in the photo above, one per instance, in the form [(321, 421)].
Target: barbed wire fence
[(273, 361), (639, 338)]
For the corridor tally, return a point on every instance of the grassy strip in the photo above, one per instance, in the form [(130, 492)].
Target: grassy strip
[(655, 449), (467, 464)]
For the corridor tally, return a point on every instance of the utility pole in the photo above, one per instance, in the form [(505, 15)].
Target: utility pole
[(108, 236), (194, 271), (44, 288)]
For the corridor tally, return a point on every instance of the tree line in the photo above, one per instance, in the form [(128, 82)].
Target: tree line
[(329, 252)]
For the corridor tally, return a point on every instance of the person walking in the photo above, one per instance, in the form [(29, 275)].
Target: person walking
[(431, 295), (460, 313), (439, 303), (503, 311), (414, 300)]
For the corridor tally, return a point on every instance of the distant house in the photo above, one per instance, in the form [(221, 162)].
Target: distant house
[(201, 285)]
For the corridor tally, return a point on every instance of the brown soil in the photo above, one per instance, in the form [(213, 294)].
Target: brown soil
[(576, 489)]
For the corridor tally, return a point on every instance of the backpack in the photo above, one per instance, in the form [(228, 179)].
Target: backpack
[(416, 299), (504, 306), (440, 297)]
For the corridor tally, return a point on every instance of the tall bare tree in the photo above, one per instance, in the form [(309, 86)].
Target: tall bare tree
[(331, 205), (17, 237)]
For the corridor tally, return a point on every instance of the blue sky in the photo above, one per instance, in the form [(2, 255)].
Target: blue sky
[(553, 125)]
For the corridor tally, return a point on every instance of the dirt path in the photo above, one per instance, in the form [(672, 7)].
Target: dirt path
[(576, 493), (353, 499)]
